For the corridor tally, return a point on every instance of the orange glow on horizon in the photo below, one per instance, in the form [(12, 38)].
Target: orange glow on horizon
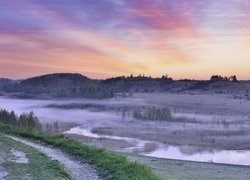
[(182, 39)]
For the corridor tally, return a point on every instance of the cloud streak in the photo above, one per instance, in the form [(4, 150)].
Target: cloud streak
[(114, 37)]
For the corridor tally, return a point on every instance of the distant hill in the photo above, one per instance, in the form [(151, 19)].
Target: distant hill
[(68, 85), (59, 85), (4, 82), (217, 84), (137, 84)]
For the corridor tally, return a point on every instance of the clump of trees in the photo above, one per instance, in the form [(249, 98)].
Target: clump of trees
[(25, 120), (153, 113), (133, 78), (52, 128), (221, 78)]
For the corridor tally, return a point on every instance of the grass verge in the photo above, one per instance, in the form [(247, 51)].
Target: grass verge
[(39, 166), (110, 165)]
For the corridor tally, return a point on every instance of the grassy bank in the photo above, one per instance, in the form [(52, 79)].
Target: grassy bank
[(109, 164), (182, 170), (39, 165)]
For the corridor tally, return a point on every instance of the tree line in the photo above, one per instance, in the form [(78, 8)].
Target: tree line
[(221, 78), (25, 120)]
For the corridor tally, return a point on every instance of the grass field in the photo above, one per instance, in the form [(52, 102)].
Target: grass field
[(109, 164), (187, 170), (37, 165)]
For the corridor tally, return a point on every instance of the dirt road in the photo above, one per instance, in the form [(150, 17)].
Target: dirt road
[(78, 170)]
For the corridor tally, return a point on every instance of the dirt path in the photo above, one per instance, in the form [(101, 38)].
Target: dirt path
[(78, 170)]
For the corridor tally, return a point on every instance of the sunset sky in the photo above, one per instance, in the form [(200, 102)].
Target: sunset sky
[(104, 38)]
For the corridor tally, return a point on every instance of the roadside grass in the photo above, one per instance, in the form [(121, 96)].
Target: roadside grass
[(191, 170), (110, 165), (39, 167)]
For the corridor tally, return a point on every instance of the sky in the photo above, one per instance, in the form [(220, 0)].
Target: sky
[(104, 38)]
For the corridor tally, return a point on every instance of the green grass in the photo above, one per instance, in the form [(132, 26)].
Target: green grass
[(39, 167), (189, 170), (110, 165)]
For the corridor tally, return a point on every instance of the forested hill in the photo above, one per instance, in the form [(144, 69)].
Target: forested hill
[(4, 82), (59, 85), (51, 80), (68, 85), (141, 83)]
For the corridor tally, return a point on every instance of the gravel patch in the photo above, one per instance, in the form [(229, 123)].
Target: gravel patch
[(19, 157)]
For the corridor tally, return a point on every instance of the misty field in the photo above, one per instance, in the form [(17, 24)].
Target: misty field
[(202, 127), (202, 121)]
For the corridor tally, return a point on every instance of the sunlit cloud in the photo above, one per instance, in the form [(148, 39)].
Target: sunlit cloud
[(186, 39)]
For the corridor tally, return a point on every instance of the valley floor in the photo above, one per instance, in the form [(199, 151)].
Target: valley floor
[(183, 170), (208, 122), (20, 161)]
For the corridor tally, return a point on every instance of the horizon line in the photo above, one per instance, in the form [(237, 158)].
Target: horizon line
[(134, 75)]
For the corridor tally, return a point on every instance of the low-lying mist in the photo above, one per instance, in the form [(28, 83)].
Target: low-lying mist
[(205, 121)]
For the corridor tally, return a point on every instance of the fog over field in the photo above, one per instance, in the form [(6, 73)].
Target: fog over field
[(138, 89), (204, 127)]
